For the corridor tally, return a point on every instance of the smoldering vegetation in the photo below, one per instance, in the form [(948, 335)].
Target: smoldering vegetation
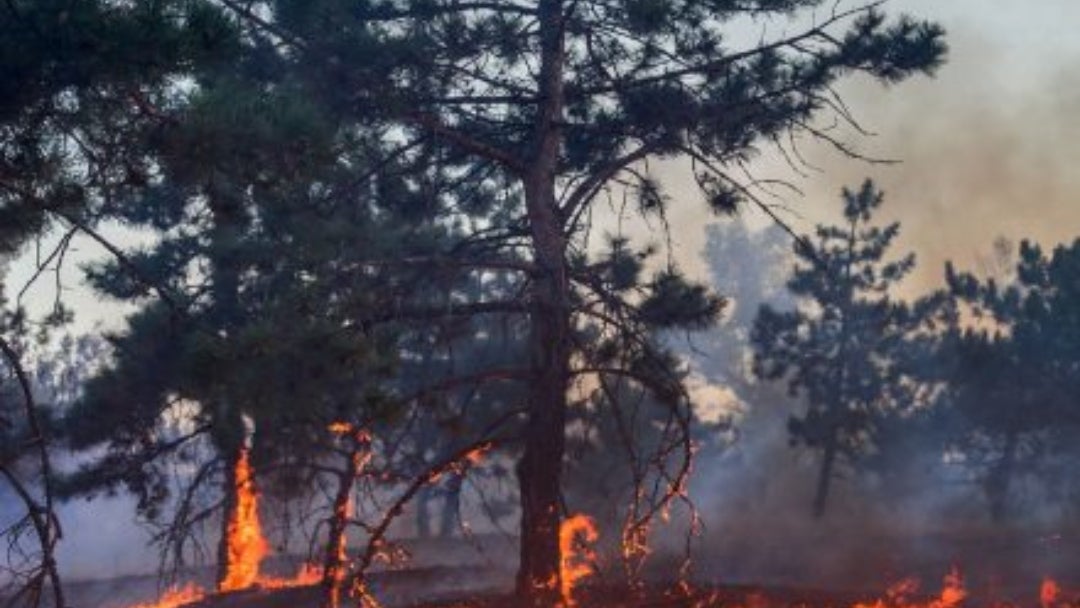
[(916, 500)]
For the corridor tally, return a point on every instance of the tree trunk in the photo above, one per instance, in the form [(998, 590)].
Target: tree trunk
[(997, 486), (335, 558), (423, 517), (229, 431), (451, 509), (824, 482), (540, 468)]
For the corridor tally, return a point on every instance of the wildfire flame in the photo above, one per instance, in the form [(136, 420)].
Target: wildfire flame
[(339, 428), (1049, 593), (246, 549), (306, 576), (576, 534), (344, 513), (176, 596), (246, 545), (900, 595)]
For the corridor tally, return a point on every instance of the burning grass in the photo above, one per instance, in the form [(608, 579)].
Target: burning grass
[(244, 586), (904, 594)]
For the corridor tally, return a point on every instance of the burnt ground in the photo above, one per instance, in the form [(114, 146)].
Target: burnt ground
[(998, 570), (734, 596), (589, 597), (436, 588), (659, 597), (438, 568)]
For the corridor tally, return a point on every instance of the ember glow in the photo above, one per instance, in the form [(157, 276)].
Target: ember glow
[(306, 576), (191, 593), (246, 549), (176, 596), (576, 535), (901, 595), (246, 545), (1049, 593)]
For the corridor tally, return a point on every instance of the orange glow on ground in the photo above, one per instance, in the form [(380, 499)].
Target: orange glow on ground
[(176, 596), (901, 594), (308, 575)]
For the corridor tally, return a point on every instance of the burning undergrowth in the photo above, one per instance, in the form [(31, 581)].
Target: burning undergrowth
[(906, 593)]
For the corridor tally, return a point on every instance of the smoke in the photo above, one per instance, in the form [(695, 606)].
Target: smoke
[(102, 539), (921, 517), (987, 149), (978, 158)]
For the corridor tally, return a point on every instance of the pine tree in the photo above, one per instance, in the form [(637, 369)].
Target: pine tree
[(247, 333), (78, 86), (1013, 369), (292, 295), (840, 348)]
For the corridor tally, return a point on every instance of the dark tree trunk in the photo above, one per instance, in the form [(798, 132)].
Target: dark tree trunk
[(997, 486), (335, 558), (423, 517), (540, 468), (451, 508), (229, 431), (824, 482)]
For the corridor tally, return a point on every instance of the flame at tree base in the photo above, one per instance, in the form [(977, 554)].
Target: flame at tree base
[(246, 546), (175, 597)]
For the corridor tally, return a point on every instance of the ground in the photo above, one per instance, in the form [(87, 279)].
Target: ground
[(478, 573)]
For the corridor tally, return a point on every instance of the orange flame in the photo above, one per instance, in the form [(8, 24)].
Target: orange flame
[(176, 596), (246, 545), (306, 576), (1049, 593), (339, 428), (900, 595), (953, 592), (576, 533)]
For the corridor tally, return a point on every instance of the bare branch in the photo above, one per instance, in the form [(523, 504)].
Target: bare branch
[(43, 515)]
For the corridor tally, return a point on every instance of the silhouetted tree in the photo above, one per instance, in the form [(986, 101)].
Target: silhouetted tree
[(840, 347), (1014, 366)]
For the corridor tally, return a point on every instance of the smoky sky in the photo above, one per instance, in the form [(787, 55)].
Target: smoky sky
[(988, 147)]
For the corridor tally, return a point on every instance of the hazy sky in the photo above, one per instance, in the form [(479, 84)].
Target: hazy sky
[(988, 147)]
